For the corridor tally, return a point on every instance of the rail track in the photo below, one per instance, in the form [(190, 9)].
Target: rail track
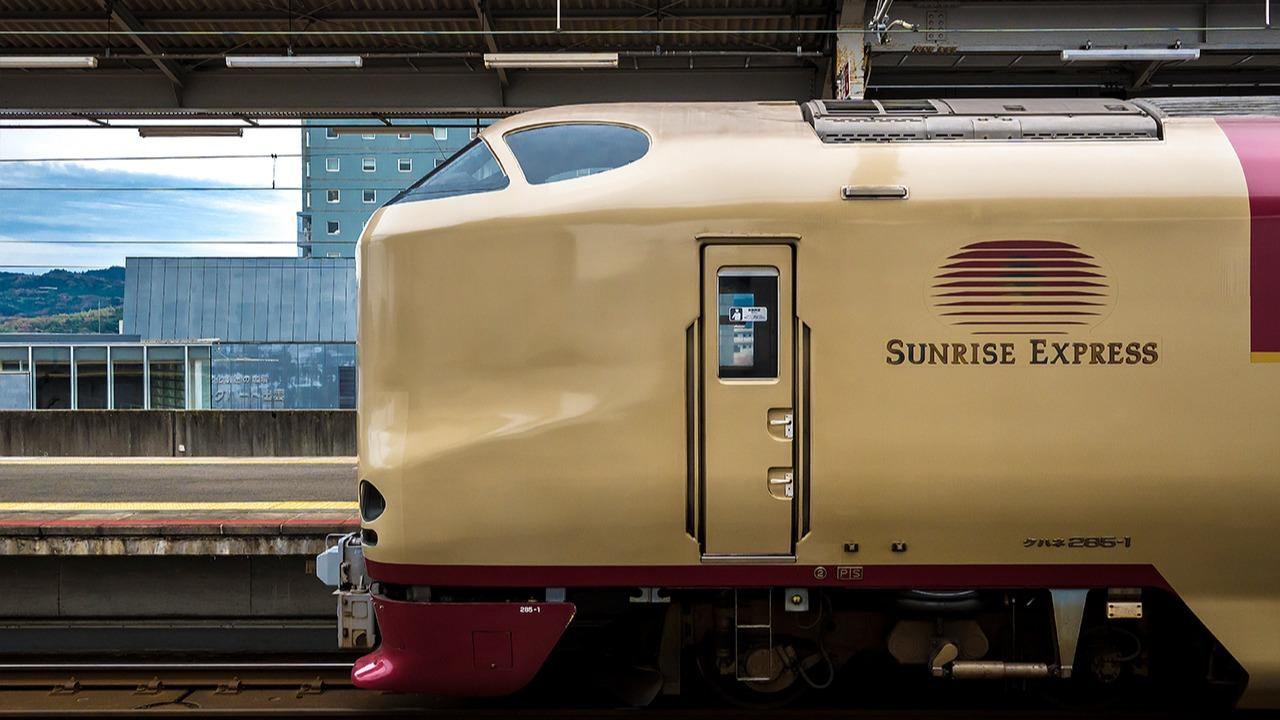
[(323, 689)]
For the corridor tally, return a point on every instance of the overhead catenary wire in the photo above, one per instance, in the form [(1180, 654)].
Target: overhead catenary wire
[(245, 156)]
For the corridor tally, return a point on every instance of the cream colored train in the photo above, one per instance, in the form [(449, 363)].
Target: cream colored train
[(759, 399)]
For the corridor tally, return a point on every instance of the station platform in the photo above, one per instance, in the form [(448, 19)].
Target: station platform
[(174, 506), (186, 556)]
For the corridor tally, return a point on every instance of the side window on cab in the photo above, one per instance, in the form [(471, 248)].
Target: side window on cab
[(561, 152), (473, 169)]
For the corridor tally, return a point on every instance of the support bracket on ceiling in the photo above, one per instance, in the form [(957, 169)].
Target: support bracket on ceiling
[(126, 21)]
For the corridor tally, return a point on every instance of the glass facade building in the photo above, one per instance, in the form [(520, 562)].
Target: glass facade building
[(281, 331), (347, 175), (103, 372)]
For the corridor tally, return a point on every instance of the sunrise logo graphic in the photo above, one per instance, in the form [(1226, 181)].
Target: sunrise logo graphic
[(1021, 287)]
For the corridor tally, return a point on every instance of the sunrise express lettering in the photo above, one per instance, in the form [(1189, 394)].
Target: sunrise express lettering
[(1037, 351)]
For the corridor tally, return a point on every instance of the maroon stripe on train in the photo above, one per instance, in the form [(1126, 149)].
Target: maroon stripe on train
[(1019, 255), (1257, 144), (1019, 303), (1015, 283), (1018, 313), (1018, 245), (1017, 264), (1023, 293), (1026, 273), (1021, 322), (1036, 575)]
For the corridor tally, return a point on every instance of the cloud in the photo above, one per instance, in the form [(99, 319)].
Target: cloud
[(37, 226)]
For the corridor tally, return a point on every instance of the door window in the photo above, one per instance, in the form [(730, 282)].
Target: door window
[(748, 323)]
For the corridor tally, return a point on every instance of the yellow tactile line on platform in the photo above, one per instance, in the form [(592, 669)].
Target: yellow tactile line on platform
[(266, 506), (177, 461)]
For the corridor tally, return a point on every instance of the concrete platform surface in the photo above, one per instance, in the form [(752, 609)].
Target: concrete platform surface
[(26, 481), (174, 506)]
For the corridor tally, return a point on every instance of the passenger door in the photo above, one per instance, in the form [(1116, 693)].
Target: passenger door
[(748, 369)]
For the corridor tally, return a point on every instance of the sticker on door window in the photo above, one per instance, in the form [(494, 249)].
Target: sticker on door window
[(748, 314)]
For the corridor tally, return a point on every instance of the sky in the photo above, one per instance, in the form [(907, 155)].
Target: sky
[(35, 226)]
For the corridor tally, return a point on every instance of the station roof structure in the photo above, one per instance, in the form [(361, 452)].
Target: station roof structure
[(167, 58)]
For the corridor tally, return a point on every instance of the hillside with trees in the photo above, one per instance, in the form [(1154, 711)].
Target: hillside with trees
[(62, 301)]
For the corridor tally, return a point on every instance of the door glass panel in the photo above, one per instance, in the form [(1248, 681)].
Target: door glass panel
[(91, 378), (126, 370), (748, 323)]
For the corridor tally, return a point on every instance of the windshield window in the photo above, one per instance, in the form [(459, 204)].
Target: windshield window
[(561, 152), (473, 169)]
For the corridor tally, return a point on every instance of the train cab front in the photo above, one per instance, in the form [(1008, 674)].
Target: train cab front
[(441, 324)]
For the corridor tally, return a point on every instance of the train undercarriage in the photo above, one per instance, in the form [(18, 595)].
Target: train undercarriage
[(774, 647)]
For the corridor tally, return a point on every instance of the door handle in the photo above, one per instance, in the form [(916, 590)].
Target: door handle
[(785, 421), (782, 482)]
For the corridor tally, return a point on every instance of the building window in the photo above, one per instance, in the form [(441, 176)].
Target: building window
[(331, 133), (167, 373), (333, 196), (13, 359), (366, 136), (370, 196), (404, 136), (307, 197), (333, 227), (440, 133), (332, 164), (404, 164), (346, 387), (368, 164), (439, 161), (307, 168), (126, 374), (52, 378), (474, 133), (306, 139)]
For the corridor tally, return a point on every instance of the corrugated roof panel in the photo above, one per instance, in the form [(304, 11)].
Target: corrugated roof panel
[(241, 299)]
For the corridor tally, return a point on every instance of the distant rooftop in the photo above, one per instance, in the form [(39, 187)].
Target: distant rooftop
[(241, 300)]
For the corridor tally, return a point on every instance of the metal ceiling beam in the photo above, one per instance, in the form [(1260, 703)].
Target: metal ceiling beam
[(392, 94), (125, 20), (482, 14), (400, 18)]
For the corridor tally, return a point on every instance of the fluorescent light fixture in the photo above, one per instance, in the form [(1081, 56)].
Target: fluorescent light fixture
[(294, 61), (52, 62), (384, 129), (551, 60), (1131, 55), (179, 131)]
